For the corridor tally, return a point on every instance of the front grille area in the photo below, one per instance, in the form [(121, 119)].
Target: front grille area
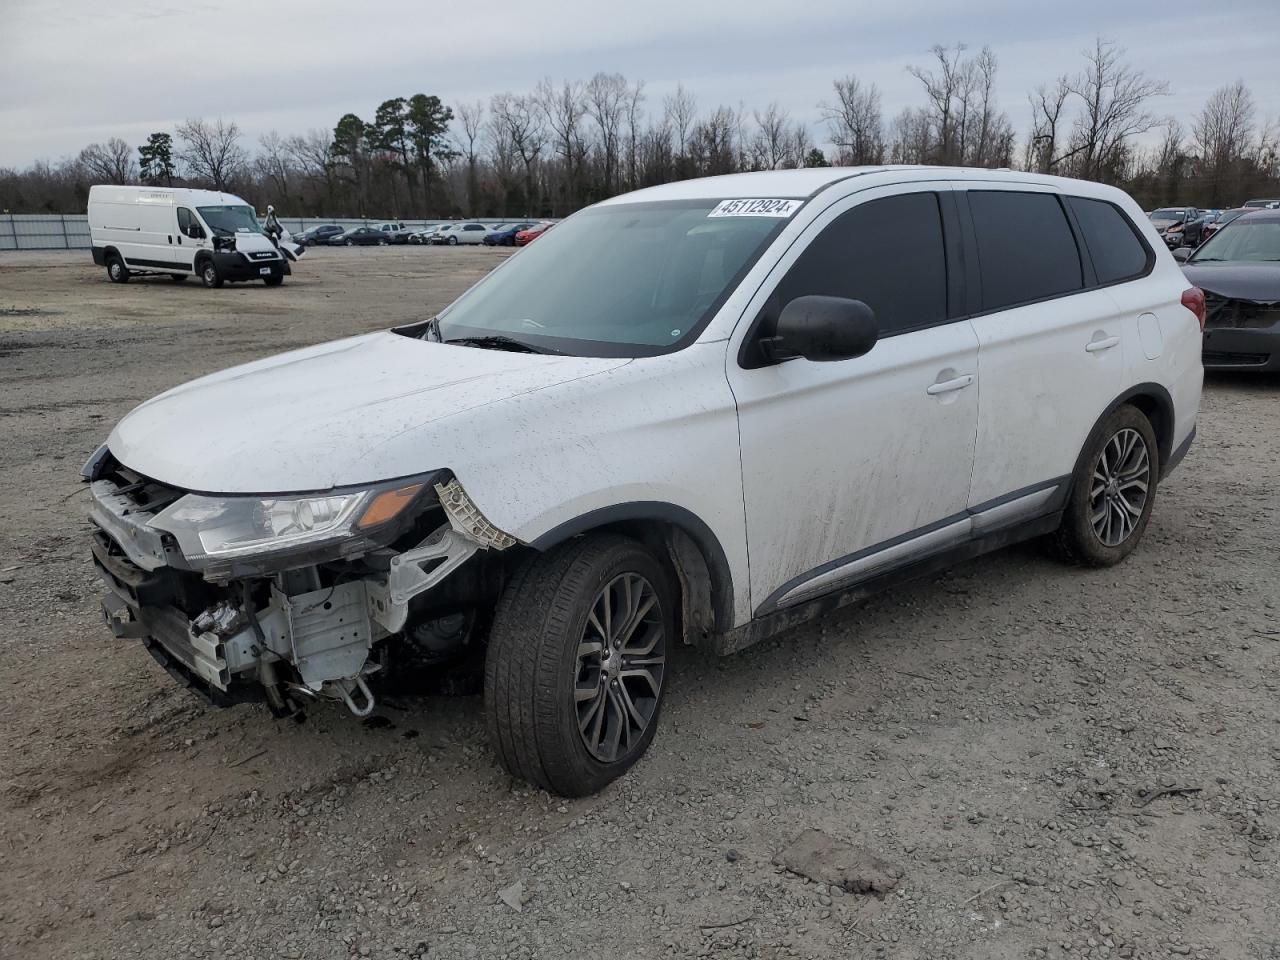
[(147, 495), (1220, 358), (1239, 314)]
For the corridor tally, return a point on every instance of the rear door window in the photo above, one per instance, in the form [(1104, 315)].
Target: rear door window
[(1026, 250), (887, 253), (1114, 246)]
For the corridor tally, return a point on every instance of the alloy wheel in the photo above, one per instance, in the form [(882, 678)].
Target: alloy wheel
[(619, 667), (1119, 487)]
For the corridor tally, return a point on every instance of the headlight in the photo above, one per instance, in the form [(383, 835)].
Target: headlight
[(213, 531)]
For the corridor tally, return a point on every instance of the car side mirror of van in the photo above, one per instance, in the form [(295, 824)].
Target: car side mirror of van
[(1183, 253), (822, 329)]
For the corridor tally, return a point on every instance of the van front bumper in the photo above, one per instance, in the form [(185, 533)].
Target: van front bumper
[(235, 266)]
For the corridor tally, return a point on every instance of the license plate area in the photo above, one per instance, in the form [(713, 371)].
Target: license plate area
[(265, 271)]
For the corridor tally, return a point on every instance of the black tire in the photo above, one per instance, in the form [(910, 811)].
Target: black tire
[(1099, 530), (534, 667), (177, 277), (273, 281), (209, 275), (453, 241), (382, 243), (117, 272)]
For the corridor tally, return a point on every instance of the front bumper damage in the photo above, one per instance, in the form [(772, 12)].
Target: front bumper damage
[(285, 637)]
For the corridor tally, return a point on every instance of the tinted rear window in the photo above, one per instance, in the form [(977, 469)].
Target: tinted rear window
[(1026, 250), (1114, 247), (887, 253)]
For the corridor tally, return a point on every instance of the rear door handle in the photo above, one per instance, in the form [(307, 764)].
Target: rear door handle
[(948, 386), (1106, 343)]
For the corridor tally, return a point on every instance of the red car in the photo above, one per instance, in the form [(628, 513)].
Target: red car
[(525, 237), (1223, 219)]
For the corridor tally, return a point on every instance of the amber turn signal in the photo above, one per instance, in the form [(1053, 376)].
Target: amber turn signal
[(386, 505)]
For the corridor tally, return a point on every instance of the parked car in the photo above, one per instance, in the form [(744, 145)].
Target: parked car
[(1223, 218), (453, 234), (698, 413), (423, 234), (504, 235), (525, 237), (318, 235), (1267, 204), (1239, 271), (180, 232), (396, 232), (1179, 226), (361, 237)]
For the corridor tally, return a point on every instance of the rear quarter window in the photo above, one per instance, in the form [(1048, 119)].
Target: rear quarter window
[(1026, 250), (1116, 250)]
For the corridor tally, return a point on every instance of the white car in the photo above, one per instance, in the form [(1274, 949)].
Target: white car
[(453, 234), (699, 413)]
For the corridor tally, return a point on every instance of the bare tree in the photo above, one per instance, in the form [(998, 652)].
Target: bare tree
[(471, 116), (1114, 98), (564, 109), (273, 163), (606, 98), (110, 162), (212, 151), (520, 120), (854, 122), (942, 89), (1222, 133), (312, 155), (681, 111), (635, 97), (771, 146), (1048, 105)]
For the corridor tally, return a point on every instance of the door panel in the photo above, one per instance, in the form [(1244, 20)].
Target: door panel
[(840, 459), (185, 246)]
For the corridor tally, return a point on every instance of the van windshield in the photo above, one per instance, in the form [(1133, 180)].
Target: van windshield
[(621, 280), (228, 220)]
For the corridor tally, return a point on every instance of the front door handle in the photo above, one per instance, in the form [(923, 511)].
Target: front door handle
[(949, 386), (1106, 343)]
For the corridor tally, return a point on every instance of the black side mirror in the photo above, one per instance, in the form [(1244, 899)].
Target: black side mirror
[(1182, 253), (194, 231), (822, 329)]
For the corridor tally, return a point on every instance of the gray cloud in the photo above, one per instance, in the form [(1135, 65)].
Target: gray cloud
[(75, 71)]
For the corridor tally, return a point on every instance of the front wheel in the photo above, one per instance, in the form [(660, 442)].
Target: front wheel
[(209, 275), (453, 241), (575, 670), (273, 281), (117, 272), (1112, 492)]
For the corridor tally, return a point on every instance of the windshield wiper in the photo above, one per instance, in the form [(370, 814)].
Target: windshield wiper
[(499, 342)]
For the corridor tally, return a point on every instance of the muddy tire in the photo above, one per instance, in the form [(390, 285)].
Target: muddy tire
[(117, 272), (574, 675), (209, 275), (1112, 492)]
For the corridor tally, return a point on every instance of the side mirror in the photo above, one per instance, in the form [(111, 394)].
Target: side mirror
[(822, 329), (1182, 253)]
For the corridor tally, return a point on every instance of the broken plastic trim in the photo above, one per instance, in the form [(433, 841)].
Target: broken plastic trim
[(467, 518)]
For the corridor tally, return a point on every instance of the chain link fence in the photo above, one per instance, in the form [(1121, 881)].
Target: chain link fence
[(56, 231)]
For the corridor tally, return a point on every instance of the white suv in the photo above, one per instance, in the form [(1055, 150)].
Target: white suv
[(698, 413)]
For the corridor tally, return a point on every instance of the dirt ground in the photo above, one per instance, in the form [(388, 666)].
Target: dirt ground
[(1004, 734)]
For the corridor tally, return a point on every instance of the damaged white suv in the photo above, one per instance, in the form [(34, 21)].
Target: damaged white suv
[(698, 413)]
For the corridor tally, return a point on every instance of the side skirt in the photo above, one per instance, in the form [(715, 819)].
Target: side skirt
[(762, 628)]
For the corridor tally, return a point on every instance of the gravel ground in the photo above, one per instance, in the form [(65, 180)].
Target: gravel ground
[(1004, 735)]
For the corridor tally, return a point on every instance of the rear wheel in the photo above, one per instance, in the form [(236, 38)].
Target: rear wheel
[(117, 272), (1112, 492), (576, 664), (209, 275)]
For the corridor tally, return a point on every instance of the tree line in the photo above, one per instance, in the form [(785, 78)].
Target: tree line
[(564, 144)]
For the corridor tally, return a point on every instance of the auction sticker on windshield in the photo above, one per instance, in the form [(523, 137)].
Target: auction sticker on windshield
[(756, 208)]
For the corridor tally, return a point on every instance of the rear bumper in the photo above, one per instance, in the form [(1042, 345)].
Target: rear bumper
[(1255, 351)]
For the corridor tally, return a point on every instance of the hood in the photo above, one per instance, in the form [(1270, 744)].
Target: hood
[(1259, 282), (309, 419), (248, 242)]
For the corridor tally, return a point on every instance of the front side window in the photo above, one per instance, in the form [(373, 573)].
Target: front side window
[(228, 220), (1026, 251), (887, 253), (1114, 247), (186, 221), (620, 280)]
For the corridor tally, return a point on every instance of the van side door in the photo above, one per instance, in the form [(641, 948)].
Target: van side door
[(190, 239), (1050, 347), (852, 467)]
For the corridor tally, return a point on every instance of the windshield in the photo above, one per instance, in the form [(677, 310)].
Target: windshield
[(1250, 241), (1168, 213), (626, 280), (232, 219)]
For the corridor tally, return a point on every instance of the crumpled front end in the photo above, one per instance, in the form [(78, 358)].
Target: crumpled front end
[(316, 620)]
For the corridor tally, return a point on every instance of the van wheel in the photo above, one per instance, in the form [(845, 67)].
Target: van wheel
[(177, 277), (117, 272), (575, 670), (1112, 492), (209, 275), (273, 281)]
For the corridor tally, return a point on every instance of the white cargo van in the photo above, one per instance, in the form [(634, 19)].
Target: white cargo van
[(215, 236)]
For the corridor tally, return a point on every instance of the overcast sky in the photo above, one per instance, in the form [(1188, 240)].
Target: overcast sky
[(73, 71)]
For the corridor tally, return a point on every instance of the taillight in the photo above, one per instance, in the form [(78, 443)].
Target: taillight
[(1193, 300)]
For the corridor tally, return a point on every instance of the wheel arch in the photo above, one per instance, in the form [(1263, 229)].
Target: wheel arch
[(1155, 403), (682, 540)]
